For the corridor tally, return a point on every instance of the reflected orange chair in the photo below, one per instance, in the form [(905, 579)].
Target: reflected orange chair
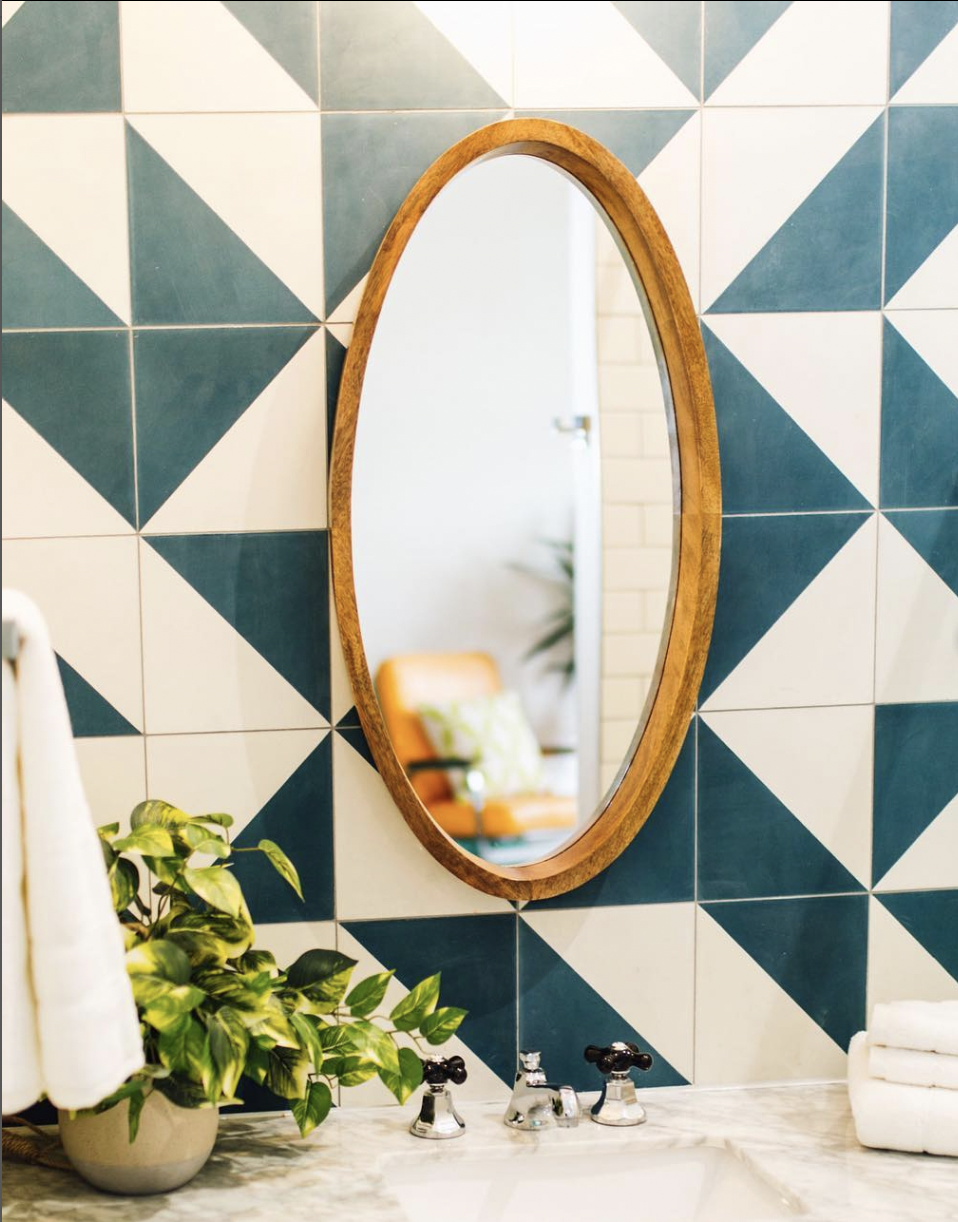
[(408, 681)]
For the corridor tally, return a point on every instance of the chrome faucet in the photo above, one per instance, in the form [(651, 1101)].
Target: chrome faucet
[(539, 1104)]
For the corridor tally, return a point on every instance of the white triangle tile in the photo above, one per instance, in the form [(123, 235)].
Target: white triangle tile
[(935, 284), (671, 182), (932, 861), (8, 8), (899, 967), (936, 80), (235, 487), (43, 494), (818, 763), (261, 175), (113, 772), (376, 884), (48, 159), (821, 650), (199, 673), (825, 371), (573, 53), (758, 165), (182, 56), (934, 336), (846, 41), (747, 1028), (917, 649), (481, 33), (235, 773), (653, 991), (343, 331), (481, 1085), (88, 592), (347, 309)]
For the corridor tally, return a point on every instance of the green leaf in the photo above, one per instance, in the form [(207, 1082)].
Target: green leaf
[(257, 1062), (229, 1041), (136, 1110), (307, 1030), (157, 812), (171, 1042), (132, 1086), (281, 864), (124, 883), (235, 933), (287, 1072), (441, 1024), (356, 1070), (203, 949), (313, 1110), (415, 1006), (373, 1044), (367, 995), (199, 1061), (166, 1009), (322, 976), (161, 958), (258, 961), (218, 818), (409, 1077), (217, 887), (273, 1021), (202, 840), (334, 1038), (148, 838), (107, 831), (183, 1092)]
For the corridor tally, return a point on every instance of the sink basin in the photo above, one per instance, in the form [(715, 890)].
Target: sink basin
[(703, 1183)]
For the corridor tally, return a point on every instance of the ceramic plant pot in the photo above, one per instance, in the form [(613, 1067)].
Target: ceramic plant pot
[(172, 1144)]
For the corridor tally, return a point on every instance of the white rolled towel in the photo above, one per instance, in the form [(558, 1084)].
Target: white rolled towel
[(890, 1116), (913, 1068), (925, 1026)]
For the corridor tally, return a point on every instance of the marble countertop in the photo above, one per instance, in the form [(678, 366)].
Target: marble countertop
[(799, 1137)]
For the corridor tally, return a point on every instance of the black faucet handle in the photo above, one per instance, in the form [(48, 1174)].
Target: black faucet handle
[(619, 1057), (438, 1070)]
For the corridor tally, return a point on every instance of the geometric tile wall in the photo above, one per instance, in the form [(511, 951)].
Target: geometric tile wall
[(192, 196)]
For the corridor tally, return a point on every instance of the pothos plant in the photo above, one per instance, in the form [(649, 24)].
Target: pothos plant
[(214, 1008)]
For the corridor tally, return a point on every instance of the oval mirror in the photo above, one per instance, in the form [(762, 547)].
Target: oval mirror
[(525, 509)]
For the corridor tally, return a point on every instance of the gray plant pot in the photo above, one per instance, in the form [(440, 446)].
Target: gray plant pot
[(172, 1145)]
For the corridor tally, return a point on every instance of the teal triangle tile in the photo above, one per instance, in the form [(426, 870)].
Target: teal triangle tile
[(192, 385), (288, 32), (62, 56), (636, 137), (349, 718), (91, 715), (370, 162), (299, 818), (752, 427), (931, 917), (827, 255), (922, 192), (673, 30), (357, 740), (39, 290), (749, 843), (766, 564), (917, 27), (732, 28), (188, 266), (560, 1013), (73, 387), (933, 533), (658, 866), (916, 776), (335, 360), (919, 430), (387, 55), (815, 949), (273, 589), (477, 958)]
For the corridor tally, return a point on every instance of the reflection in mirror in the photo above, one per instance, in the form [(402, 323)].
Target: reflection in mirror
[(513, 509)]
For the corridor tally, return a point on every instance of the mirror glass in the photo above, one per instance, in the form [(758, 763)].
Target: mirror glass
[(515, 492)]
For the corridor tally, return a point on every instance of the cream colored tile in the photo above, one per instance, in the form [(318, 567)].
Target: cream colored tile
[(113, 771), (621, 435), (621, 611), (626, 387), (622, 698), (621, 526)]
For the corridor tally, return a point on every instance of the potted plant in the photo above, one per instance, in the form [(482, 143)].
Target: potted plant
[(215, 1009)]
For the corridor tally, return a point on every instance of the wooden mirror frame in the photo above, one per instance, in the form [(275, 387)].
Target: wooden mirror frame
[(643, 239)]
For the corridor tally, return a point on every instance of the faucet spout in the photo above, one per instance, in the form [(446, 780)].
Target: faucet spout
[(537, 1103)]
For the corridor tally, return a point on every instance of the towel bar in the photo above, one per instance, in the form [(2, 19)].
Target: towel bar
[(11, 641)]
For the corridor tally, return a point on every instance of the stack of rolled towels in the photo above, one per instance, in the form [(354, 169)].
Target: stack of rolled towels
[(903, 1078)]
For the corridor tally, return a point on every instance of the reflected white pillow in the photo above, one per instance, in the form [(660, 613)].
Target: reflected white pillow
[(495, 732)]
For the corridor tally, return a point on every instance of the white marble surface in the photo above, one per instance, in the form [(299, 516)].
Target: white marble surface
[(800, 1137)]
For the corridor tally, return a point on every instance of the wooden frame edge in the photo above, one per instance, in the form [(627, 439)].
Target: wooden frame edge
[(644, 240)]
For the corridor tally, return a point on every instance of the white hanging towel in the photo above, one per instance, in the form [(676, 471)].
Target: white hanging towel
[(926, 1026), (70, 1028), (889, 1116)]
